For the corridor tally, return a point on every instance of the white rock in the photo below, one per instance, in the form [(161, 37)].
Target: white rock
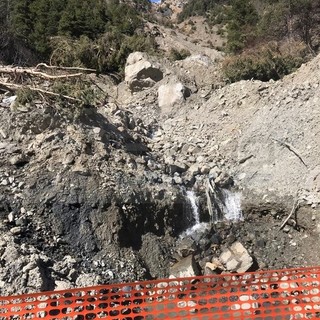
[(236, 258), (11, 217), (87, 280), (140, 72), (61, 285), (16, 230), (171, 94)]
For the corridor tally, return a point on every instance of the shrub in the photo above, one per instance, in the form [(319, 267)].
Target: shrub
[(242, 20), (179, 54), (197, 7), (263, 64), (105, 54)]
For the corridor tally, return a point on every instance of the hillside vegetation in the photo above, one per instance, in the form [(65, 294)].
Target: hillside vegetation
[(96, 34), (266, 39)]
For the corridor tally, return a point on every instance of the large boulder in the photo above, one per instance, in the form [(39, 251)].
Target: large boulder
[(140, 73), (171, 94)]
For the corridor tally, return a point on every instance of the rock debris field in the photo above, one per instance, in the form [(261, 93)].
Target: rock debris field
[(99, 194)]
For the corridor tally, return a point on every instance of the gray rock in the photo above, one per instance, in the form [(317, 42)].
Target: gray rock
[(141, 73), (194, 170), (18, 159), (177, 167), (22, 221), (171, 94), (8, 147), (154, 256), (3, 134), (186, 267), (286, 229), (214, 172), (205, 169), (177, 180), (194, 149), (186, 247), (35, 279), (185, 148)]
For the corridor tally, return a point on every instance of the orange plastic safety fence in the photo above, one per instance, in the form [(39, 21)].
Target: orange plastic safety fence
[(282, 294)]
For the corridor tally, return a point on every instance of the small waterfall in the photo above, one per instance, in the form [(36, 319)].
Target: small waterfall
[(225, 204), (232, 205), (192, 199), (195, 214)]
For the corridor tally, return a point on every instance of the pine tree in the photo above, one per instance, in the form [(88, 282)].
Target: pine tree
[(82, 17), (21, 24)]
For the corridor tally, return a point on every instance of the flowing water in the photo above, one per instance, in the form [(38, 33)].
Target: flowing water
[(227, 205), (195, 212), (231, 205)]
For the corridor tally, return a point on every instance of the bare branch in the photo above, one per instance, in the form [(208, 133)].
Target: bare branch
[(32, 72), (44, 65), (293, 210), (15, 87)]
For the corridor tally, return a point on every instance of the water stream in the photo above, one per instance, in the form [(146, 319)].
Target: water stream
[(195, 212), (227, 205)]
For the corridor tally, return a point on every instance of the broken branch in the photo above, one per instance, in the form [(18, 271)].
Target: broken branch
[(15, 87), (32, 72), (293, 210)]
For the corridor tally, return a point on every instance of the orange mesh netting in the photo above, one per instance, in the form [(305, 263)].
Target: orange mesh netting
[(282, 294)]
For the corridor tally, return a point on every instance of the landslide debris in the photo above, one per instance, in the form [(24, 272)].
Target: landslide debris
[(95, 193)]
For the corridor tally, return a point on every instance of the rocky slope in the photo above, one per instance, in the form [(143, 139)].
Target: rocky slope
[(264, 135), (96, 194)]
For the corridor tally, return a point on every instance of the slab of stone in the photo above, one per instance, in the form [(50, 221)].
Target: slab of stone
[(186, 267)]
